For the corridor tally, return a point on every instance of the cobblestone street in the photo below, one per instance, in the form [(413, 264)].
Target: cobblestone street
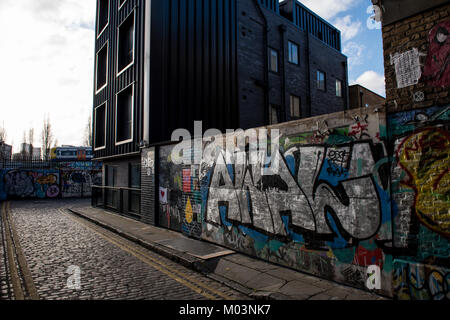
[(55, 244)]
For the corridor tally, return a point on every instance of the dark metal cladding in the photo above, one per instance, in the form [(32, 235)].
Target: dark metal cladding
[(193, 66), (134, 74)]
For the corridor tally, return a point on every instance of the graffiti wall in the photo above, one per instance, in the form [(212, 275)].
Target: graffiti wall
[(421, 193), (19, 184), (51, 183), (326, 211), (180, 196), (77, 183)]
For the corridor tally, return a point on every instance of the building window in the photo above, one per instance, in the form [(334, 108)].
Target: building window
[(295, 107), (100, 127), (321, 85), (125, 45), (338, 88), (135, 175), (273, 60), (101, 70), (124, 115), (102, 16), (273, 114), (121, 3), (293, 52), (111, 176)]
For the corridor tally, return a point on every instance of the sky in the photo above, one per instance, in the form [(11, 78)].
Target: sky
[(47, 54)]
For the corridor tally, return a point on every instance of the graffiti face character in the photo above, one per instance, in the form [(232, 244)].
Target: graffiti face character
[(437, 66)]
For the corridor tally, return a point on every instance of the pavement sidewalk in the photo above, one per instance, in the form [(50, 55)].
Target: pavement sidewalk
[(253, 277)]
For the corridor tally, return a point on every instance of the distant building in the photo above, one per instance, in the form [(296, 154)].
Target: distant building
[(5, 151), (361, 97)]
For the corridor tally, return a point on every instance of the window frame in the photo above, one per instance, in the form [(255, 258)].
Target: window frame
[(98, 90), (131, 139), (119, 72), (270, 60), (341, 88), (324, 81), (277, 110), (95, 126), (99, 33), (120, 6), (292, 43), (299, 107)]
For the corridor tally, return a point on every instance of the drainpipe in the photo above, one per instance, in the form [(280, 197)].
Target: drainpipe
[(146, 112), (346, 98), (266, 63), (282, 29), (309, 100)]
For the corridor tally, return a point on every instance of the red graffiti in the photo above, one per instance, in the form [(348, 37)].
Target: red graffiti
[(186, 180), (358, 129), (437, 66), (364, 257)]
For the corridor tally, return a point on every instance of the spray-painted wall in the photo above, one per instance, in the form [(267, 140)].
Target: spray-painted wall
[(47, 183), (421, 197), (353, 190), (327, 211)]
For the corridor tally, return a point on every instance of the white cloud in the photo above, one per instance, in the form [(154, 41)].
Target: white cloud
[(355, 53), (47, 54), (373, 81), (349, 29), (329, 8)]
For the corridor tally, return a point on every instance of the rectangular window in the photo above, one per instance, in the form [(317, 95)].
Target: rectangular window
[(321, 85), (124, 115), (273, 114), (102, 16), (293, 52), (295, 107), (101, 70), (111, 175), (273, 60), (135, 175), (338, 88), (125, 45), (100, 127)]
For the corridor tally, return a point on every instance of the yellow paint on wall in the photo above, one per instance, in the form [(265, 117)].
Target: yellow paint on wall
[(188, 212), (425, 156)]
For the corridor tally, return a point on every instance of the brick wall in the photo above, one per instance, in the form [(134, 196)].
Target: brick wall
[(417, 51), (421, 61)]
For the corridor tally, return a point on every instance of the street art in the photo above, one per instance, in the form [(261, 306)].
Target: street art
[(407, 68), (31, 184), (420, 187), (350, 194), (40, 184), (420, 281), (326, 210), (437, 66), (77, 183), (424, 156)]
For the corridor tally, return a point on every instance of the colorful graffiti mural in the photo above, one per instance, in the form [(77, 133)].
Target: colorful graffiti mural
[(420, 193), (437, 66), (353, 193), (31, 184), (420, 282), (28, 183)]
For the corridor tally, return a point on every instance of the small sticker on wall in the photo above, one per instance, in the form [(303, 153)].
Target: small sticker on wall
[(162, 195)]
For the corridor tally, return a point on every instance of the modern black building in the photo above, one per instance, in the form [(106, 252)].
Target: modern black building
[(161, 65)]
